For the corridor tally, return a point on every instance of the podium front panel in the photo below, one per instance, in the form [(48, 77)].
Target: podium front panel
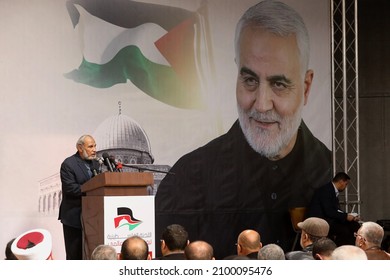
[(105, 195), (126, 216)]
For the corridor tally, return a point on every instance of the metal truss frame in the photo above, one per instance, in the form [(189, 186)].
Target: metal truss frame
[(345, 105)]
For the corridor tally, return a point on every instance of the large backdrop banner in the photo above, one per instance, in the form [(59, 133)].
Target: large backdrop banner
[(167, 65)]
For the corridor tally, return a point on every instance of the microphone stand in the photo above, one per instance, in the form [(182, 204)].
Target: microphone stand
[(139, 168)]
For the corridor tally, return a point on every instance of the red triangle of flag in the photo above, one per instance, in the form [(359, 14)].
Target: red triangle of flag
[(178, 47)]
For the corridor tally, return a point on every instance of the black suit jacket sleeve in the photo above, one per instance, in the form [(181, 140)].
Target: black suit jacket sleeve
[(74, 173), (70, 180), (326, 205)]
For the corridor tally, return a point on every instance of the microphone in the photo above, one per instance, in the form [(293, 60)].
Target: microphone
[(99, 160), (117, 164), (107, 161)]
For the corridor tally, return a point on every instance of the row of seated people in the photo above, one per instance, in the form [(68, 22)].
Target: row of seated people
[(175, 245), (314, 242)]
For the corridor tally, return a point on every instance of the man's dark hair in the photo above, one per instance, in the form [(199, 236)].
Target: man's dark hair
[(341, 176), (323, 246), (175, 237)]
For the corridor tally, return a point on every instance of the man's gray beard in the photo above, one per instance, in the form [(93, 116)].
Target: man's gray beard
[(260, 139), (86, 157)]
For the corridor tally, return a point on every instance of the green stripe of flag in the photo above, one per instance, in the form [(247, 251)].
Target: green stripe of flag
[(159, 81)]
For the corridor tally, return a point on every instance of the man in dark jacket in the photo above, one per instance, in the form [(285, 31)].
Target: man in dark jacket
[(75, 171), (174, 240), (325, 204)]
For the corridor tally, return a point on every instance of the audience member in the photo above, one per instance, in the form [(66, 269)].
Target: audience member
[(8, 252), (248, 243), (34, 244), (348, 252), (104, 252), (223, 182), (75, 171), (323, 248), (174, 240), (369, 237), (271, 252), (312, 229), (134, 248), (199, 250), (325, 204)]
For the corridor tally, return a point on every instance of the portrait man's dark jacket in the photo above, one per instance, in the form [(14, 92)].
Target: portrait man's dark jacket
[(224, 187)]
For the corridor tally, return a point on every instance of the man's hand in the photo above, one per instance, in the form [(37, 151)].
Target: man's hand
[(353, 217)]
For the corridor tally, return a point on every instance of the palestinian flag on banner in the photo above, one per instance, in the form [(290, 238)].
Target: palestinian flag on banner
[(125, 218), (161, 49)]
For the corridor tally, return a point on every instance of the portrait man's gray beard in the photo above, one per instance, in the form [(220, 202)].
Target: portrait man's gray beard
[(264, 142)]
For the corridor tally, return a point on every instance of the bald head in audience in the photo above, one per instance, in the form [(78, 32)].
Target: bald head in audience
[(134, 248), (248, 243), (348, 252), (199, 250)]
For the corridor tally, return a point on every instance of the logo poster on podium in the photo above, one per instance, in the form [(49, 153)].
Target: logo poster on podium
[(126, 216)]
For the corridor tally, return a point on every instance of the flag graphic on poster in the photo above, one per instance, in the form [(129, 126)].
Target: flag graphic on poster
[(161, 49), (126, 218)]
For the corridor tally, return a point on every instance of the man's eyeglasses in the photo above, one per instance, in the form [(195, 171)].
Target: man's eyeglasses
[(357, 234)]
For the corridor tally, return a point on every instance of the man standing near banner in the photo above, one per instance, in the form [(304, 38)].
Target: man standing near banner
[(268, 161), (75, 171), (325, 204)]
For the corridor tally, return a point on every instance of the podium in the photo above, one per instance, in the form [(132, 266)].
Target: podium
[(96, 194)]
